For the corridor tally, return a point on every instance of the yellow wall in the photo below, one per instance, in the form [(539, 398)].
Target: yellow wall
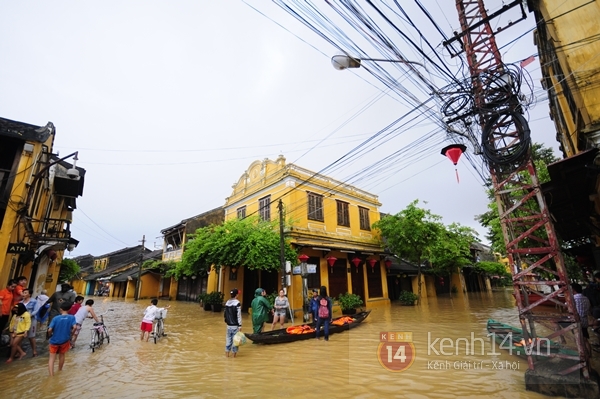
[(292, 184), (150, 284), (79, 286), (8, 230), (569, 28)]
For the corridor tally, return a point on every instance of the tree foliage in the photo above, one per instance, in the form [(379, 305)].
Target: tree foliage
[(68, 270), (411, 234), (248, 242), (163, 266), (452, 250), (491, 268)]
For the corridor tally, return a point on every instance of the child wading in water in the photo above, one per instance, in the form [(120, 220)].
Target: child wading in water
[(149, 316), (61, 328)]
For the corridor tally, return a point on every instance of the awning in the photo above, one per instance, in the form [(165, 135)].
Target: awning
[(131, 274), (567, 195)]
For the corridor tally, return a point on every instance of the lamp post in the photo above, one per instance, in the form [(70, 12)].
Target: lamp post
[(304, 273), (341, 62)]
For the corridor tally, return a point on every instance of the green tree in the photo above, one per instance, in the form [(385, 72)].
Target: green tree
[(68, 270), (491, 268), (411, 234), (452, 250), (248, 242)]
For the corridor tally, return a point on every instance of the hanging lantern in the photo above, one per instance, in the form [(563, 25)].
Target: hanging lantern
[(331, 262), (356, 262), (388, 264), (52, 255), (372, 262), (453, 152), (303, 258)]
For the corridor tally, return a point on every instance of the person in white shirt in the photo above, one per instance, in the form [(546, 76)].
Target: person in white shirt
[(80, 316), (149, 316)]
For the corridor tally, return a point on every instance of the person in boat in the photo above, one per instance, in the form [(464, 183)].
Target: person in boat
[(314, 304), (260, 310), (281, 306), (324, 313), (233, 319)]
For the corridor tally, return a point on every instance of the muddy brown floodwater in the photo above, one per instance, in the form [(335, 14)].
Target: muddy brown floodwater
[(190, 361)]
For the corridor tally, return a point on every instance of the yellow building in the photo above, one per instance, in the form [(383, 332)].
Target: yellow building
[(327, 220), (174, 239), (566, 38), (37, 196)]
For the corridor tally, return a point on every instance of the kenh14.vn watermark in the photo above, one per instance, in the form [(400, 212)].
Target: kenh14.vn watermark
[(396, 351)]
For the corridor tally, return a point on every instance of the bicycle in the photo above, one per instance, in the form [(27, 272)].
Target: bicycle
[(99, 334), (159, 326)]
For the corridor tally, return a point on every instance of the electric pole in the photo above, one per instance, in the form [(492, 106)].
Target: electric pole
[(138, 283), (531, 243), (281, 244)]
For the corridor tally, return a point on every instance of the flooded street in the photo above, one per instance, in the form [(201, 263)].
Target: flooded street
[(190, 361)]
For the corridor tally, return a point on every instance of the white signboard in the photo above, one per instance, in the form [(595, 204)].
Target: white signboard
[(309, 269)]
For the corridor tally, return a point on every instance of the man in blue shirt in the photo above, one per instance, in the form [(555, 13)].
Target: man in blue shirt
[(314, 305), (60, 330)]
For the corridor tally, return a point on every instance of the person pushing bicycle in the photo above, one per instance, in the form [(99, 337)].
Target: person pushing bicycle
[(149, 316)]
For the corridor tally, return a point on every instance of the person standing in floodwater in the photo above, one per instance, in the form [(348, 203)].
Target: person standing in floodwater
[(260, 310), (233, 319)]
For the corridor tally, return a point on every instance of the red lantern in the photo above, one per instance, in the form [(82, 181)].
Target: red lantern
[(52, 254), (331, 262), (453, 152), (303, 258), (388, 264), (356, 262), (372, 262)]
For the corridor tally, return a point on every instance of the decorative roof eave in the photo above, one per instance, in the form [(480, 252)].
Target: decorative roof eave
[(25, 131)]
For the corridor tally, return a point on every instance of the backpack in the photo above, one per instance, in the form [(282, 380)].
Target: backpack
[(323, 309)]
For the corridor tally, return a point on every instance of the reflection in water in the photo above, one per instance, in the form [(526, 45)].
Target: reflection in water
[(190, 361)]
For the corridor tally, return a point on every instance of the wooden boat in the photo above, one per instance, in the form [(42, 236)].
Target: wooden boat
[(282, 336), (511, 339), (534, 296)]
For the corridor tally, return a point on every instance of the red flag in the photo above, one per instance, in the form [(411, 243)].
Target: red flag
[(527, 61)]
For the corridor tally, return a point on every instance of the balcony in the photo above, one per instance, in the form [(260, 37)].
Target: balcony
[(55, 230), (173, 255)]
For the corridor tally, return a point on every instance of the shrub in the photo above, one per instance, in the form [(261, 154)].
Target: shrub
[(407, 297), (349, 301)]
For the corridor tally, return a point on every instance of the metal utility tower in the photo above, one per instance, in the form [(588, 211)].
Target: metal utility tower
[(531, 243)]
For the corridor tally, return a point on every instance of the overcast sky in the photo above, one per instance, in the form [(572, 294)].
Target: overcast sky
[(169, 102)]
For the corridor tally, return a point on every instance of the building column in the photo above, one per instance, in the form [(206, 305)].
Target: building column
[(430, 284)]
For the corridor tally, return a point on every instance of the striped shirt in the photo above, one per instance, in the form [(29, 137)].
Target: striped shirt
[(582, 304)]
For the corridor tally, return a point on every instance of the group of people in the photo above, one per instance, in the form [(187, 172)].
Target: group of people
[(23, 316), (320, 308)]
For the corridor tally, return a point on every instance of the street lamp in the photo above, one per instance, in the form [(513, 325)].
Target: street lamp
[(341, 62), (304, 273)]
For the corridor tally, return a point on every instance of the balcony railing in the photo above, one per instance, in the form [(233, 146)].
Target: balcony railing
[(174, 254), (54, 230)]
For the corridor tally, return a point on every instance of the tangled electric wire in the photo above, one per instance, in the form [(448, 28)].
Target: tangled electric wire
[(505, 134), (506, 139)]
